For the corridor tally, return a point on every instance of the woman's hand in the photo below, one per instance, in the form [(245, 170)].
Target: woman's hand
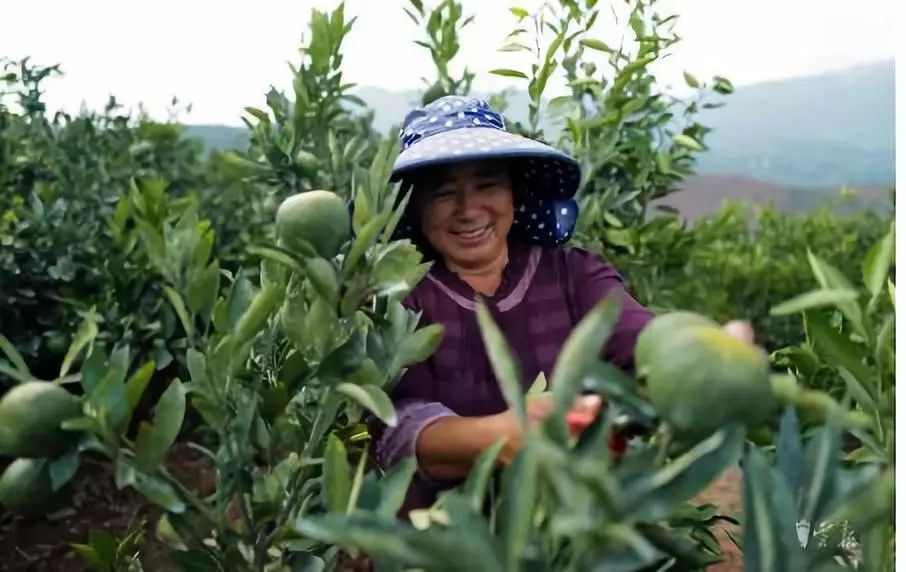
[(584, 410)]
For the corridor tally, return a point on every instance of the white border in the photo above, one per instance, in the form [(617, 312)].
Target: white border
[(900, 131)]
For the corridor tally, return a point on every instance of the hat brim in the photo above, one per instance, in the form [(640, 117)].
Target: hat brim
[(476, 143)]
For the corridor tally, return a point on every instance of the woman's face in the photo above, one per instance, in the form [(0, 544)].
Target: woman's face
[(467, 212)]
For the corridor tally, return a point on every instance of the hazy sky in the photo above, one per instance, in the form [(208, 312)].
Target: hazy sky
[(222, 55)]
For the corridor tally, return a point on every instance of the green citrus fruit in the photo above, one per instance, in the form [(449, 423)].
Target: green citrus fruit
[(30, 417), (319, 218), (660, 331), (25, 488), (704, 379)]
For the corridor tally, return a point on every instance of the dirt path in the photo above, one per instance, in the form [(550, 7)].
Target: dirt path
[(726, 494)]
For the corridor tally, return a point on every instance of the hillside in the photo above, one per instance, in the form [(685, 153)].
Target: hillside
[(703, 194)]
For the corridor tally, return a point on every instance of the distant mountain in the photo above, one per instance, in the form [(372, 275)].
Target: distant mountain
[(831, 129), (822, 131)]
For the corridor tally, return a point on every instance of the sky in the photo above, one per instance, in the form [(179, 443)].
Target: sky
[(222, 55)]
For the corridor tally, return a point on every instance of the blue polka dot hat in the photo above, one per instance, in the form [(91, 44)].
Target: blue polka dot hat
[(456, 128)]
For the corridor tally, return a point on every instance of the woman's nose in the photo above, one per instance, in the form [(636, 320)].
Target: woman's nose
[(466, 199)]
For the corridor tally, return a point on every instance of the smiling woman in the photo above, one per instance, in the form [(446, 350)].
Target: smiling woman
[(493, 210)]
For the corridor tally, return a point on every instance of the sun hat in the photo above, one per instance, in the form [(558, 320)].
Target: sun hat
[(457, 128)]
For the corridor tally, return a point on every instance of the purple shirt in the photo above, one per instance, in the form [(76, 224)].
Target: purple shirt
[(543, 295)]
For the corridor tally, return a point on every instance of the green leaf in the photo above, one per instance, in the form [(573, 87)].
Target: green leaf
[(614, 384), (87, 332), (519, 12), (596, 45), (835, 347), (857, 390), (520, 490), (832, 279), (7, 369), (158, 491), (372, 398), (255, 318), (197, 366), (505, 367), (656, 496), (136, 385), (877, 262), (15, 357), (394, 485), (179, 306), (278, 256), (722, 85), (515, 47), (323, 277), (100, 552), (813, 299), (194, 561), (509, 73), (770, 541), (419, 345), (823, 462), (790, 454), (691, 81), (687, 142), (476, 484), (369, 532), (63, 468), (581, 351), (202, 292), (154, 441), (884, 347), (336, 480), (538, 387)]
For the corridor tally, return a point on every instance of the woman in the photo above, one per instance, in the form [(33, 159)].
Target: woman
[(492, 209)]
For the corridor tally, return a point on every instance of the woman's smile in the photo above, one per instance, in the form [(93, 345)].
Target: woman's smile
[(474, 236)]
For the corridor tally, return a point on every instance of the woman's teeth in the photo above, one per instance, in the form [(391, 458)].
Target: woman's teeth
[(474, 233)]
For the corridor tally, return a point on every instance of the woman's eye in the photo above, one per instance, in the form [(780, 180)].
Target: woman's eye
[(444, 194)]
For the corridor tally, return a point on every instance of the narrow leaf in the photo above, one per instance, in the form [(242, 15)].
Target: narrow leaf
[(154, 441), (813, 299), (596, 45), (180, 308), (336, 480), (394, 485), (518, 508), (420, 345), (14, 356), (687, 142), (877, 262), (87, 332), (509, 73), (158, 491), (136, 385), (505, 367), (581, 351), (372, 398), (790, 454), (655, 496), (63, 468), (476, 484)]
